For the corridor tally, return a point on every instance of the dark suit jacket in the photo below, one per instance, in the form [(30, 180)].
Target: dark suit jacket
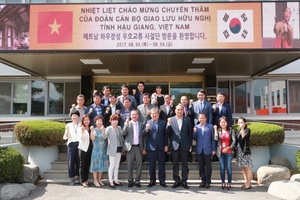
[(133, 104), (163, 115), (128, 132), (185, 138), (207, 109), (244, 142), (161, 138), (94, 113), (205, 141), (137, 98), (103, 101), (107, 115), (225, 112)]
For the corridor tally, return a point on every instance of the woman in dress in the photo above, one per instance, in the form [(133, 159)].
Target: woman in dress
[(226, 141), (244, 153), (99, 160), (85, 146), (114, 149)]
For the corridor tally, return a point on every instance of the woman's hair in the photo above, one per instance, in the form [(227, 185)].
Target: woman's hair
[(82, 120), (75, 111), (98, 117), (244, 120), (114, 117), (221, 118)]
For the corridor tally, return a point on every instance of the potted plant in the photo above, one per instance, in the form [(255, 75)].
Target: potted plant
[(43, 138)]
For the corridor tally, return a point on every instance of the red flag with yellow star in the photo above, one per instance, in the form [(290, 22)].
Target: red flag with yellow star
[(55, 27)]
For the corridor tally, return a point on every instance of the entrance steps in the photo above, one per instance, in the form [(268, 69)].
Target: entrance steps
[(59, 171)]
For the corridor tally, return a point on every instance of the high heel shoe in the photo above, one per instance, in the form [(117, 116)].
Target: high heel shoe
[(229, 186), (223, 186)]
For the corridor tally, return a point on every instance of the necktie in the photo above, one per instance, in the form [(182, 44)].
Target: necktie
[(136, 133), (201, 107)]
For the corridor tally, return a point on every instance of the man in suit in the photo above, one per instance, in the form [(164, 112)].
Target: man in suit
[(156, 146), (180, 131), (95, 109), (187, 113), (106, 95), (125, 111), (144, 109), (138, 94), (222, 109), (125, 94), (202, 106), (203, 134), (134, 147), (112, 108), (166, 110)]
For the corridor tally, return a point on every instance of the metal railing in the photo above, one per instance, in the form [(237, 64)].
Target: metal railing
[(286, 126), (7, 133)]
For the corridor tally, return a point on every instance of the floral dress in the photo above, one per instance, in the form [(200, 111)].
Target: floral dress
[(99, 160)]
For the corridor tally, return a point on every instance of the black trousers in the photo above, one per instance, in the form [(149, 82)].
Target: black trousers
[(85, 162), (73, 159), (205, 169), (159, 156), (178, 155)]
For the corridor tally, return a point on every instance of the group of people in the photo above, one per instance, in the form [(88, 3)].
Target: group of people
[(142, 124)]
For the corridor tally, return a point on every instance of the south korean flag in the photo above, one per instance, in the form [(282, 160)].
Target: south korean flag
[(235, 25)]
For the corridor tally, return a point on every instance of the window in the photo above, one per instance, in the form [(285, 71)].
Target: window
[(278, 87), (5, 98), (62, 96), (184, 89), (240, 102), (278, 97), (273, 99), (294, 96), (261, 100), (20, 98), (284, 96), (38, 98)]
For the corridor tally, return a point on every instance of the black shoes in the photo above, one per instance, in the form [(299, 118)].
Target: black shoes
[(207, 185), (176, 185), (163, 184), (185, 185), (138, 185), (130, 184), (151, 184), (202, 185)]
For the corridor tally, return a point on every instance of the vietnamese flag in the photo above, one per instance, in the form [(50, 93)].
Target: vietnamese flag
[(55, 27)]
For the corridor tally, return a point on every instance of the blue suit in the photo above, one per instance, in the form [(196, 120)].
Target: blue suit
[(206, 109), (156, 141), (93, 114), (225, 112), (205, 145)]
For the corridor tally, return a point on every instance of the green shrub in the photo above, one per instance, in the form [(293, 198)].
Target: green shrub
[(298, 160), (264, 134), (40, 132), (11, 164)]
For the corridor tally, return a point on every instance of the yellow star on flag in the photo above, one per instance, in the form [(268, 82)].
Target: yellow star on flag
[(54, 27)]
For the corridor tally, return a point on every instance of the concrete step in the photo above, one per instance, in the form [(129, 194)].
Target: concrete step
[(193, 175), (63, 165)]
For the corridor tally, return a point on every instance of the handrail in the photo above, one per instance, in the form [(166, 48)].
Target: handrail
[(286, 126)]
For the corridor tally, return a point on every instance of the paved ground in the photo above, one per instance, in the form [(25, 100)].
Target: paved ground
[(64, 191)]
